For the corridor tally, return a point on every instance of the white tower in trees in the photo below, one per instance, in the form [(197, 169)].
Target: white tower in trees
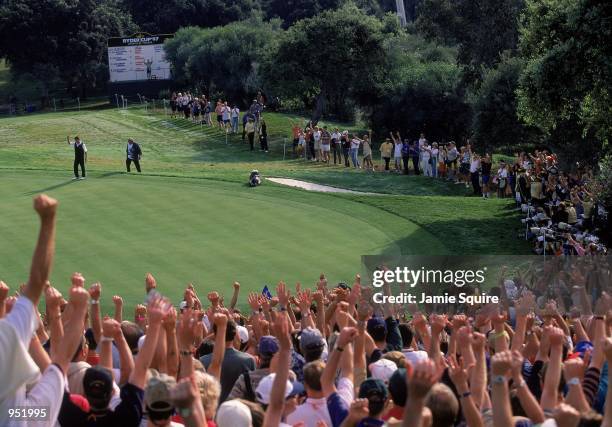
[(401, 12)]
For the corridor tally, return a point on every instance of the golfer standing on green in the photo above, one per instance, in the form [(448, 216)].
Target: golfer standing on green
[(80, 156)]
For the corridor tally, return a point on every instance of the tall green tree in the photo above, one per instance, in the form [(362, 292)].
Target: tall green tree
[(567, 81), (53, 39), (338, 53), (222, 60), (496, 122), (167, 16), (422, 93), (483, 30)]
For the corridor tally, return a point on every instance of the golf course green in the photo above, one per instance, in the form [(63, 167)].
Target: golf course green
[(190, 217)]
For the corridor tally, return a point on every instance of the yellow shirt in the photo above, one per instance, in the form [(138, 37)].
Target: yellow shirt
[(386, 148)]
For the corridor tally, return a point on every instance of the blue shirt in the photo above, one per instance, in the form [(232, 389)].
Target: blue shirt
[(337, 408)]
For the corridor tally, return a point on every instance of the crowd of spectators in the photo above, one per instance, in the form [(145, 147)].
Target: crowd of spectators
[(311, 357), (223, 115)]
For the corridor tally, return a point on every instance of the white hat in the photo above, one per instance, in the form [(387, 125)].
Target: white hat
[(243, 333), (264, 389), (233, 413), (382, 369)]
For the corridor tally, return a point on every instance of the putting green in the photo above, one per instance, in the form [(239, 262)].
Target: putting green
[(113, 228)]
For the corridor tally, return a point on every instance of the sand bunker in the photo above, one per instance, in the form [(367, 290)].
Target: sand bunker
[(316, 187)]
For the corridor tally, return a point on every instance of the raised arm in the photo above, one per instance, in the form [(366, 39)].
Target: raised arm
[(45, 248), (95, 291), (459, 376), (172, 356), (106, 343), (118, 303), (234, 300), (423, 378), (553, 373), (277, 397), (501, 364), (528, 401), (214, 369), (329, 373), (156, 310), (478, 376), (53, 300), (186, 398), (73, 331)]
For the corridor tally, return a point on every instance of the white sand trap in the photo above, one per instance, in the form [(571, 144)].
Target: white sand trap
[(316, 187)]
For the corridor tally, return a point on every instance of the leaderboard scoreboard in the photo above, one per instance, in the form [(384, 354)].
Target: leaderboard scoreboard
[(138, 57)]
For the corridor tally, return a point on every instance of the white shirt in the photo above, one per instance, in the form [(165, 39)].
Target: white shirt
[(72, 144), (434, 152), (226, 113), (315, 410), (49, 386), (355, 143), (425, 153), (502, 173), (235, 112), (317, 135), (474, 166), (336, 136), (397, 150)]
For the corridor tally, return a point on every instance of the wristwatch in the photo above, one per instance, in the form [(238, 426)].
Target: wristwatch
[(498, 379), (94, 301)]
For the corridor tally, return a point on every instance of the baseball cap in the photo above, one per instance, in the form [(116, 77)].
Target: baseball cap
[(397, 387), (376, 322), (268, 345), (373, 390), (311, 338), (98, 387), (243, 333), (157, 393), (582, 347), (382, 369), (264, 389), (297, 390), (233, 413)]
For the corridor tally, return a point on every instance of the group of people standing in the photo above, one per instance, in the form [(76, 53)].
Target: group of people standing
[(200, 110), (320, 144)]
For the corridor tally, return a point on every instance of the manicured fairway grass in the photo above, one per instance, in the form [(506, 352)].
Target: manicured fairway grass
[(191, 217)]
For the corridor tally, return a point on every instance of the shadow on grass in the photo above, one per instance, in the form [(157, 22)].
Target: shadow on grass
[(491, 236), (50, 188), (109, 174)]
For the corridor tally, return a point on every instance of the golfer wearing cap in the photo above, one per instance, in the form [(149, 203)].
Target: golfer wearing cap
[(133, 153)]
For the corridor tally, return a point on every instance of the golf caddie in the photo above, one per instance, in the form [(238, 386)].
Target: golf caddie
[(133, 153), (80, 156)]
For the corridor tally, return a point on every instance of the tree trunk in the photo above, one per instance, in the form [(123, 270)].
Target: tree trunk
[(319, 108)]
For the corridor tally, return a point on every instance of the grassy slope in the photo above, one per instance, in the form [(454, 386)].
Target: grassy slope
[(181, 155)]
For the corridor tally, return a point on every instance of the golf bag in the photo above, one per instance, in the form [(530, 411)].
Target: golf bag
[(254, 178)]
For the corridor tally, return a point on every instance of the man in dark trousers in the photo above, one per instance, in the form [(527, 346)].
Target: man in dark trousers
[(133, 152), (80, 156)]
